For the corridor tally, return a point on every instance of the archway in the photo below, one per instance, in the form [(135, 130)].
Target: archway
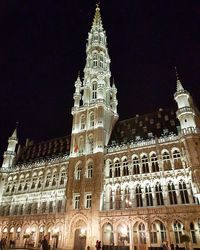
[(80, 239), (108, 238)]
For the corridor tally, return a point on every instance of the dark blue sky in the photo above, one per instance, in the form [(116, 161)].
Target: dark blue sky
[(42, 48)]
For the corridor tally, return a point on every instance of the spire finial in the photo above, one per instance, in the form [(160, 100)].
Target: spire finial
[(178, 82), (97, 17)]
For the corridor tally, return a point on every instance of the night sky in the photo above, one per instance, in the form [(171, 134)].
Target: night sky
[(42, 48)]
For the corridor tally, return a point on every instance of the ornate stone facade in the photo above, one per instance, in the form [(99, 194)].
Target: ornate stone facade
[(132, 183)]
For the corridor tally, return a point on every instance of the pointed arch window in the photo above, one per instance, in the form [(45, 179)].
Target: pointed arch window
[(136, 166), (91, 143), (62, 178), (117, 168), (172, 193), (163, 234), (94, 90), (159, 194), (48, 178), (145, 164), (154, 163), (183, 192), (178, 231), (125, 167), (148, 194), (139, 201)]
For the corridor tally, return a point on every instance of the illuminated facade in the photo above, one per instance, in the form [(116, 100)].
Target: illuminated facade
[(132, 183)]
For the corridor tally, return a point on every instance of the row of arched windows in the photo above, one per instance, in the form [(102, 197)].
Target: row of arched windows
[(149, 196), (144, 164), (31, 182)]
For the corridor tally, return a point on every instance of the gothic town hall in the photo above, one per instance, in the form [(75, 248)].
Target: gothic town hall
[(130, 183)]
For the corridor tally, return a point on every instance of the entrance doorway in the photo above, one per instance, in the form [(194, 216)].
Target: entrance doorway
[(79, 240)]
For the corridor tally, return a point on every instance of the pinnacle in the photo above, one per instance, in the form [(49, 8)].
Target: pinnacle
[(97, 22), (179, 85)]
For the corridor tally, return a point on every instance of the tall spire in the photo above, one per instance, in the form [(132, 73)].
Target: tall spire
[(97, 22), (179, 85)]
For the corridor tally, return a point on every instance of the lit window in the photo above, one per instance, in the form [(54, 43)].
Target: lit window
[(178, 231), (153, 234), (82, 122), (88, 202)]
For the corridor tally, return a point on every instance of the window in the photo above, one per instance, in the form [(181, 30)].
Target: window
[(82, 122), (59, 206), (117, 168), (101, 61), (77, 201), (34, 208), (193, 233), (92, 120), (62, 178), (139, 201), (95, 60), (29, 208), (142, 236), (163, 234), (178, 228), (88, 201), (44, 206), (128, 203), (136, 167), (48, 178), (153, 234), (166, 161), (154, 163), (111, 199), (94, 91), (51, 207), (118, 198), (89, 170), (159, 194), (183, 192), (110, 169), (172, 193), (177, 159), (16, 209), (78, 173), (149, 197), (145, 164), (125, 167)]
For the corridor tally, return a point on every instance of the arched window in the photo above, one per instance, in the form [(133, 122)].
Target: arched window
[(159, 194), (193, 233), (94, 90), (138, 191), (118, 198), (154, 163), (90, 170), (95, 60), (91, 143), (136, 166), (153, 234), (178, 231), (142, 235), (80, 145), (111, 199), (177, 159), (82, 122), (172, 193), (148, 194), (78, 173), (92, 120), (183, 192), (125, 167), (117, 168), (54, 181), (62, 177), (166, 161), (145, 164)]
